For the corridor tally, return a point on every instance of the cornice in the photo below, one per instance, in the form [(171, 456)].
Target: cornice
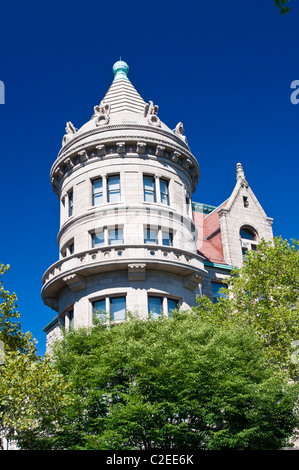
[(126, 126), (72, 156)]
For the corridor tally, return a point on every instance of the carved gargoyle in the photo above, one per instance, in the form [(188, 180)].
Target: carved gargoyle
[(179, 130), (70, 131), (101, 113), (150, 112)]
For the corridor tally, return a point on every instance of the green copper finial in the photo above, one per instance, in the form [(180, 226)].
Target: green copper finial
[(120, 70)]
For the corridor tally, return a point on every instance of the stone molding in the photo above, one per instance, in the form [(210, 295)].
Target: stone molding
[(136, 259), (130, 145), (123, 209)]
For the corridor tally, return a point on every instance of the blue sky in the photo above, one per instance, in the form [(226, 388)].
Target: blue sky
[(222, 68)]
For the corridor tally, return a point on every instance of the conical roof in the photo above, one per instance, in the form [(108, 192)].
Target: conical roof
[(122, 96), (123, 122), (123, 114)]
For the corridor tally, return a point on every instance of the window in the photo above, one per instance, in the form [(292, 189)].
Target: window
[(245, 201), (117, 308), (150, 235), (71, 319), (167, 238), (113, 185), (155, 306), (149, 189), (247, 234), (172, 305), (164, 192), (161, 305), (248, 238), (216, 286), (115, 236), (70, 203), (97, 192), (99, 309), (98, 238), (68, 249)]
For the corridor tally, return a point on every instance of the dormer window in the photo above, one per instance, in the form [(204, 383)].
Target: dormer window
[(249, 240)]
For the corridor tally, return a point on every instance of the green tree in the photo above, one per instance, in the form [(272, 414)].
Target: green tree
[(283, 6), (171, 384), (32, 394), (264, 294), (11, 333)]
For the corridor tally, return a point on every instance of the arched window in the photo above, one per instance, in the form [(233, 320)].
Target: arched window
[(249, 239), (247, 234)]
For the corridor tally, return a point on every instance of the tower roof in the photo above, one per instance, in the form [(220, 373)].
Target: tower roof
[(123, 116), (122, 96)]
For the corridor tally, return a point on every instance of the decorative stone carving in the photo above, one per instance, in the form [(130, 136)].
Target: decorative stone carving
[(75, 282), (83, 156), (179, 130), (136, 272), (121, 147), (70, 131), (192, 281), (69, 163), (241, 176), (101, 150), (175, 156), (160, 151), (102, 112), (140, 147), (150, 112)]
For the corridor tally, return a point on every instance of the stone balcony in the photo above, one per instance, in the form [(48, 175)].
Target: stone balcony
[(73, 270)]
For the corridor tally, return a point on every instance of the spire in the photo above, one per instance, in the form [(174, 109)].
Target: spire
[(122, 96), (240, 172), (120, 70)]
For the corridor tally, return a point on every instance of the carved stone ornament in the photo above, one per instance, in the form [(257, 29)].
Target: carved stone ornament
[(136, 272), (75, 282), (192, 281), (179, 130), (70, 131), (101, 113), (150, 112)]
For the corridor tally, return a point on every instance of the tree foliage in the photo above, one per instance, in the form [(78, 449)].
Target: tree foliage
[(264, 294), (170, 384), (11, 333), (283, 6), (32, 394)]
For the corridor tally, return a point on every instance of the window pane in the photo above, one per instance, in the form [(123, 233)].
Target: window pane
[(113, 188), (97, 192), (155, 306), (115, 236), (150, 235), (167, 238), (215, 291), (99, 308), (171, 305), (98, 239), (71, 205), (71, 318), (149, 189), (118, 308), (164, 191), (247, 234)]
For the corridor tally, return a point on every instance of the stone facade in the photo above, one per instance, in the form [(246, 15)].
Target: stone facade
[(130, 238)]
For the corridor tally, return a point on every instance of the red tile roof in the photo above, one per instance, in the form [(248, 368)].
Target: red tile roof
[(209, 241)]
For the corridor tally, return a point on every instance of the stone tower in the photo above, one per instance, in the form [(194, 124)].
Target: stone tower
[(127, 239)]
